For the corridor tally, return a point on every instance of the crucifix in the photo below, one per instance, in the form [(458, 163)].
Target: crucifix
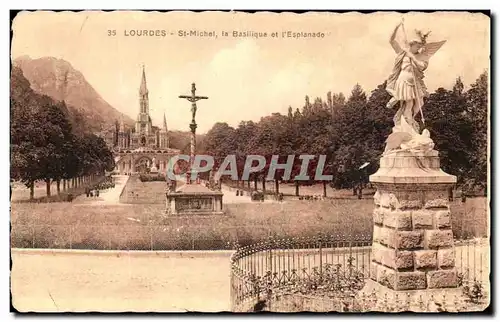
[(193, 99)]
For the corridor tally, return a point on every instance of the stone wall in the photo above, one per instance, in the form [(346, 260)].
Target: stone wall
[(412, 240), (292, 303)]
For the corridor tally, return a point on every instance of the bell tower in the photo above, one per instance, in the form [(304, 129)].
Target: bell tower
[(143, 123), (164, 134), (121, 135)]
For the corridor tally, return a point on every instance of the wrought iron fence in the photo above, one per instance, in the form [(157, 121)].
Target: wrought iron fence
[(326, 273), (330, 264)]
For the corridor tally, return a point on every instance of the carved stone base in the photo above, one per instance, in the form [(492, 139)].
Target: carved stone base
[(194, 199), (412, 237), (412, 168), (376, 297)]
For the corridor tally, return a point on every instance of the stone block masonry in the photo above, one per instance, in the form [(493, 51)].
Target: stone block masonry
[(412, 237), (413, 248)]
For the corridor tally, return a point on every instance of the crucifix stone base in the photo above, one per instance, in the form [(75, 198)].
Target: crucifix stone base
[(193, 198), (413, 248)]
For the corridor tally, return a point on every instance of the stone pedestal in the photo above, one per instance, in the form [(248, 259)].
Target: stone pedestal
[(413, 245), (194, 199)]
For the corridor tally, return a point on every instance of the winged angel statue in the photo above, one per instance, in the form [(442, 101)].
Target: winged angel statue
[(407, 88)]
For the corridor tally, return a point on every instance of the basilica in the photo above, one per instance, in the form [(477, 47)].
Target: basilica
[(144, 147)]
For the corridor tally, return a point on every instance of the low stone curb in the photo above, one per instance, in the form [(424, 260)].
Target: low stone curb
[(131, 253)]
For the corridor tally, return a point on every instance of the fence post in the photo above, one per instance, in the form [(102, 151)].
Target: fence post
[(33, 237), (270, 255), (231, 286), (320, 259), (151, 236)]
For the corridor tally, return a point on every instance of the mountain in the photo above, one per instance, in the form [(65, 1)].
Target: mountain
[(59, 80)]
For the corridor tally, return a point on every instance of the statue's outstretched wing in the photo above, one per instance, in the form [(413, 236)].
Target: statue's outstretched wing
[(431, 48)]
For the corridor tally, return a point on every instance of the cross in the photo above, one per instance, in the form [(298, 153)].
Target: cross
[(193, 99)]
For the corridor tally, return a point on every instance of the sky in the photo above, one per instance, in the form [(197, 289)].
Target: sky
[(245, 78)]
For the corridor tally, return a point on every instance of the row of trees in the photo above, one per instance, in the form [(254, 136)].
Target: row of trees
[(43, 143), (352, 131)]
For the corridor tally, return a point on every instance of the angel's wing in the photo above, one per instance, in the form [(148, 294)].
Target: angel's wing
[(431, 48)]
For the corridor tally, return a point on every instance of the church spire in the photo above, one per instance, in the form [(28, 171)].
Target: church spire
[(164, 122), (143, 89), (122, 126), (143, 95)]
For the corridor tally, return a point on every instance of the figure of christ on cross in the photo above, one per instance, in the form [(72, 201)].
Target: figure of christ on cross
[(193, 99)]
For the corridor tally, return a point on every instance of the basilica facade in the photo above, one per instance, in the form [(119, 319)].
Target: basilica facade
[(143, 147)]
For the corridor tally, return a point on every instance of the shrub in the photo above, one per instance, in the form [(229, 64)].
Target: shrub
[(474, 293), (152, 177), (257, 196)]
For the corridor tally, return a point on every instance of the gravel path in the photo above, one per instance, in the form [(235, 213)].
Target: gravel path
[(147, 283)]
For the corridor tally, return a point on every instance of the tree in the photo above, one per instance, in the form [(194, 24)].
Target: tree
[(220, 142), (352, 127), (306, 109), (450, 127), (297, 113), (27, 136), (58, 131), (273, 136), (338, 101), (44, 145), (477, 106)]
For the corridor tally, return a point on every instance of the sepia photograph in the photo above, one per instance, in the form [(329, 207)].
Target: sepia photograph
[(246, 162)]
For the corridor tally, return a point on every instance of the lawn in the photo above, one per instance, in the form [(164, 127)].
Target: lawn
[(143, 227), (20, 192)]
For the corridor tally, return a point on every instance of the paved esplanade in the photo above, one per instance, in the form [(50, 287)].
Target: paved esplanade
[(117, 282), (109, 196)]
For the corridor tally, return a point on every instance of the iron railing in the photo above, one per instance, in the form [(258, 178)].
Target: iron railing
[(326, 273), (332, 264)]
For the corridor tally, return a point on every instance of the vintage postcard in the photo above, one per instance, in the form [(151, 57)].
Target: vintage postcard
[(246, 162)]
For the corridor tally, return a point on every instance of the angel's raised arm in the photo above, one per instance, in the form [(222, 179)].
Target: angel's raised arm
[(393, 42)]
